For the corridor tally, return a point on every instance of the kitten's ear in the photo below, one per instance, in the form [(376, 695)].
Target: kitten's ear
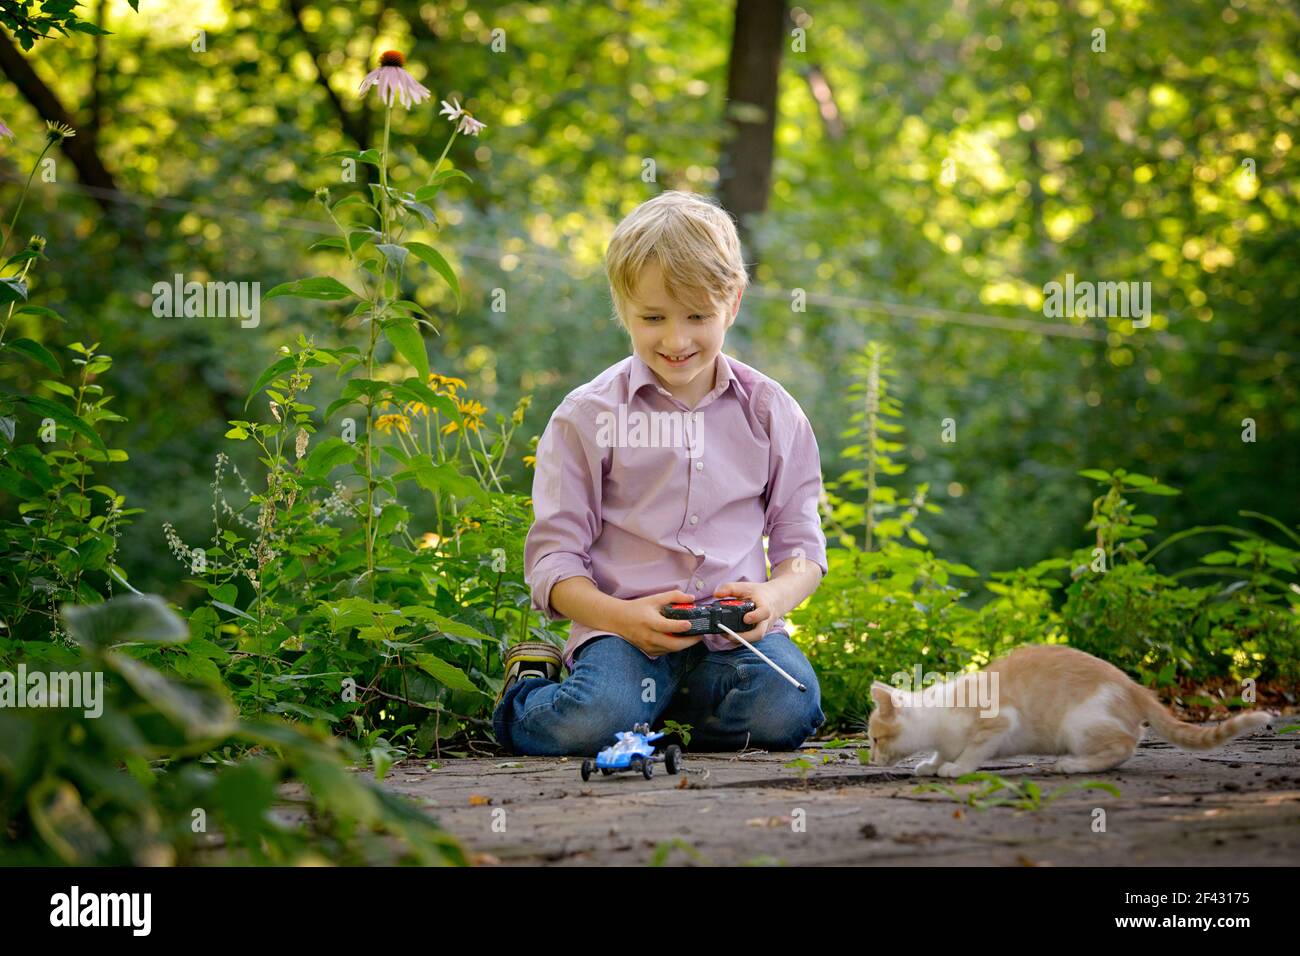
[(883, 695)]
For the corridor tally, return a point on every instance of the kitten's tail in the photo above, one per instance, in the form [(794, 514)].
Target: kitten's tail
[(1192, 736)]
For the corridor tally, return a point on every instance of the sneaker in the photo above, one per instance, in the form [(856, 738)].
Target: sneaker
[(530, 659)]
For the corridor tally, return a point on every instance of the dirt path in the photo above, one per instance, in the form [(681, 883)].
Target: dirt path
[(1239, 805)]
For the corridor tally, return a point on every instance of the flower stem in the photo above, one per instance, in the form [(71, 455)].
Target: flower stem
[(376, 313), (23, 195)]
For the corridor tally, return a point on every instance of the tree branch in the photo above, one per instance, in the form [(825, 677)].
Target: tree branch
[(355, 125), (79, 149)]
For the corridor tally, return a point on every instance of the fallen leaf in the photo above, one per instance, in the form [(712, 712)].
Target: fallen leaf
[(478, 800)]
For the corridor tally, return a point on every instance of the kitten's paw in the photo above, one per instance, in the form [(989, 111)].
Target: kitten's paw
[(951, 770), (1068, 765), (927, 768)]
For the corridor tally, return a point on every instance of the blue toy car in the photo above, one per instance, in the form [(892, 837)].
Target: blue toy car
[(634, 751)]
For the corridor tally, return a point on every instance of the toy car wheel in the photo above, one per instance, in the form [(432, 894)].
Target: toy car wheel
[(606, 771), (673, 758), (586, 770), (648, 768), (635, 764)]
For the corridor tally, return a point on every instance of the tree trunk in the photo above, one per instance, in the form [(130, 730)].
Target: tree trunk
[(79, 149), (745, 174)]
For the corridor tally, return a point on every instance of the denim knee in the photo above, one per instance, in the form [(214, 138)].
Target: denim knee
[(585, 715), (782, 716)]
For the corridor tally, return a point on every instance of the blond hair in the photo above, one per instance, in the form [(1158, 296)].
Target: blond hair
[(693, 240)]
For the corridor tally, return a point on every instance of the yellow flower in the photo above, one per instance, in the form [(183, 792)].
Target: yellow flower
[(385, 423), (430, 540), (530, 461), (441, 382), (518, 416), (417, 408), (473, 413)]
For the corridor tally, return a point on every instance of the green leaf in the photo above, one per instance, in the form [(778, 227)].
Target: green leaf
[(41, 311), (50, 409), (132, 617), (276, 368), (59, 388), (420, 612), (357, 612), (37, 351), (429, 192), (331, 242), (395, 254), (314, 713), (370, 156), (327, 456), (320, 287), (433, 258), (445, 477), (406, 338), (201, 713), (444, 673), (422, 210), (12, 290), (1161, 490), (1096, 473), (417, 390), (231, 609)]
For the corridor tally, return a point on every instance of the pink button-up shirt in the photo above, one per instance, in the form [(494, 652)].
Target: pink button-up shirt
[(640, 494)]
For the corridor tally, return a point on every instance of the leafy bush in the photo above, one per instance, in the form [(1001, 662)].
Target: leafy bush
[(325, 604), (133, 784), (887, 606)]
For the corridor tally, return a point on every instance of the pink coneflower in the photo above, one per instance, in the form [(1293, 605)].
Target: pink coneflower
[(5, 130), (393, 80), (468, 124)]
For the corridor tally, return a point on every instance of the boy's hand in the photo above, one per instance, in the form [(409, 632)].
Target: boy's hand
[(764, 613), (643, 625)]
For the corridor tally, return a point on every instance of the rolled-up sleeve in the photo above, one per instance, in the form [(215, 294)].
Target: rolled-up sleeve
[(794, 483), (567, 484)]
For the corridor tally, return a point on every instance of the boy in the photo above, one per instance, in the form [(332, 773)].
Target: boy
[(654, 484)]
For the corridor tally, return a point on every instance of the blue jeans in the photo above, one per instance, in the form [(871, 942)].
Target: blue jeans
[(731, 699)]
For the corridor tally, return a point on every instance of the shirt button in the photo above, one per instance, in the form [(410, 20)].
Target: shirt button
[(699, 465), (699, 585), (695, 519)]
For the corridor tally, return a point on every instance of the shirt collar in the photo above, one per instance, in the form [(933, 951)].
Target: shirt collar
[(642, 375)]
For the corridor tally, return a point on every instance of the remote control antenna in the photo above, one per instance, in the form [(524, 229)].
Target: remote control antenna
[(771, 663)]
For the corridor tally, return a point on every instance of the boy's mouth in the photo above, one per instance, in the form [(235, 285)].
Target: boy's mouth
[(680, 361)]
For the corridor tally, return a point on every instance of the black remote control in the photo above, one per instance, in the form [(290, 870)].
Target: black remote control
[(705, 618)]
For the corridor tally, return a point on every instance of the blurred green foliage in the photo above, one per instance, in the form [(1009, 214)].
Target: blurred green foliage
[(1118, 165)]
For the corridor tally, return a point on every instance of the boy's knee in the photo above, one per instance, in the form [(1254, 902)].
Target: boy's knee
[(584, 716), (783, 716)]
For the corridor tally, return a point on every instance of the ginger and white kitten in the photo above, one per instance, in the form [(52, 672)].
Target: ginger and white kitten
[(1047, 699)]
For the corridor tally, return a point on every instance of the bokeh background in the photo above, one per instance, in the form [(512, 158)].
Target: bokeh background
[(921, 171)]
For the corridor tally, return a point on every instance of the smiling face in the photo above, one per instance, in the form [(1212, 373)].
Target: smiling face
[(664, 329)]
